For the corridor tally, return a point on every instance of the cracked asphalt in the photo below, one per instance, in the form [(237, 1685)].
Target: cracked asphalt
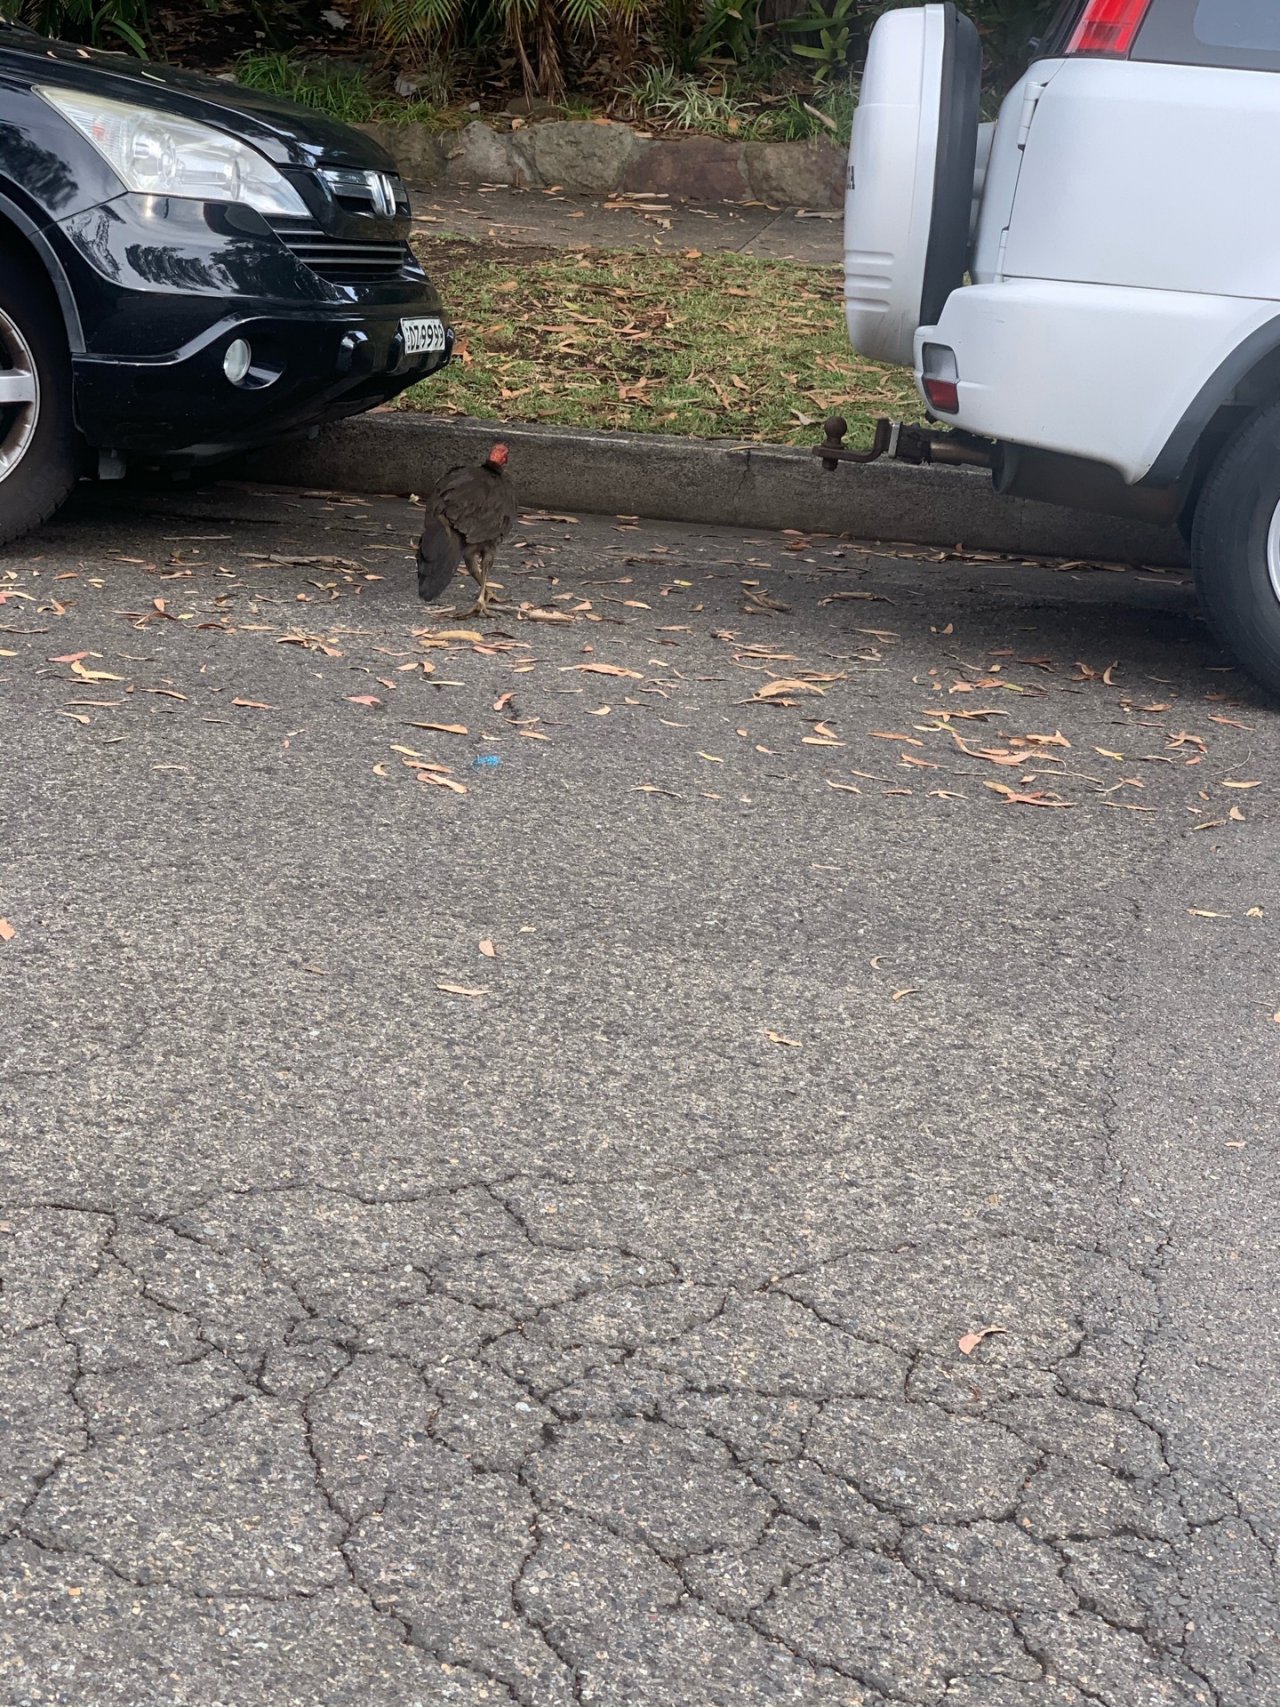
[(515, 1233)]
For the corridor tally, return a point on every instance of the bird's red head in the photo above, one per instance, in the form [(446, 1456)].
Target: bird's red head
[(498, 456)]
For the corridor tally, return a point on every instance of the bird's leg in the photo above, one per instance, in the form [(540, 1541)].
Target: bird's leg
[(480, 567)]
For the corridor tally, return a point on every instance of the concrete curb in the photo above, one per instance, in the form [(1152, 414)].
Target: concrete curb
[(694, 480)]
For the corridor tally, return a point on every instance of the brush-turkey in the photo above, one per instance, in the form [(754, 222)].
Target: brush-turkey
[(469, 514)]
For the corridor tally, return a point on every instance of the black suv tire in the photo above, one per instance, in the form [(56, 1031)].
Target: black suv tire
[(1235, 547), (39, 451)]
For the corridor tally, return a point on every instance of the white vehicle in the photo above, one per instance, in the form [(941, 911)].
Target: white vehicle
[(1088, 290)]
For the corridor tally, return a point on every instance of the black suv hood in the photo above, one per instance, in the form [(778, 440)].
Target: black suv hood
[(287, 134)]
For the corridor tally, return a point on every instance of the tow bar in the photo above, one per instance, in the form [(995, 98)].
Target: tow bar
[(903, 443)]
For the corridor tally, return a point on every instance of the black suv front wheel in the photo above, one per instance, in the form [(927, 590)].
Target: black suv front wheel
[(38, 449)]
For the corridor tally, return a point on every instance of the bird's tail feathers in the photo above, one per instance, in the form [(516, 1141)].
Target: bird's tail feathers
[(439, 555)]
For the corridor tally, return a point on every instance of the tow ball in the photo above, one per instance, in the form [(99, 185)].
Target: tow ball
[(902, 442)]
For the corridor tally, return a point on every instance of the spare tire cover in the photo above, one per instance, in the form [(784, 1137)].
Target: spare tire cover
[(911, 163)]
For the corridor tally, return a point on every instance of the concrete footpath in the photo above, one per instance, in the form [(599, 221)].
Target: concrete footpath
[(554, 219)]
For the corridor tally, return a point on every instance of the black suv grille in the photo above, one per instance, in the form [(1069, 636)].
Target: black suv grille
[(367, 193), (344, 260)]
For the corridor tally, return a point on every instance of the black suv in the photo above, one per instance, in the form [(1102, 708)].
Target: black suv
[(187, 268)]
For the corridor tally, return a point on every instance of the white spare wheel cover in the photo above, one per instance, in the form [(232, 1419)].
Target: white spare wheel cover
[(911, 160)]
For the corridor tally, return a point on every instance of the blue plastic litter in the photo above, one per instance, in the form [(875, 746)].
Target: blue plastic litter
[(485, 762)]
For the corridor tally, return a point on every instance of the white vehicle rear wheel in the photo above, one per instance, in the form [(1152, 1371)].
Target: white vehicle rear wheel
[(1235, 547)]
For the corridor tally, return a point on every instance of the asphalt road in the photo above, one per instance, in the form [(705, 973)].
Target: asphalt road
[(516, 1233)]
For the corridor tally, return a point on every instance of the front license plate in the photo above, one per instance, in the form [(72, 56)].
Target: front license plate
[(422, 337)]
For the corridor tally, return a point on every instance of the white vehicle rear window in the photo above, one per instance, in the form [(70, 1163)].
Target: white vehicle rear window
[(1239, 33), (1238, 23)]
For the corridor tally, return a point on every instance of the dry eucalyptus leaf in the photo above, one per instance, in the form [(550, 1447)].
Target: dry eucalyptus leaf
[(969, 1343), (785, 685)]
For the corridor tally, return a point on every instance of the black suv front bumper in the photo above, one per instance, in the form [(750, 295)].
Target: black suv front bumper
[(163, 287)]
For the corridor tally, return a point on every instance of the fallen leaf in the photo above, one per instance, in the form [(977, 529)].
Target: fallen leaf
[(969, 1343), (844, 787), (785, 1042), (911, 990), (711, 758), (362, 699), (7, 932), (888, 735), (503, 700), (78, 669), (1200, 913), (487, 949), (783, 686), (608, 670), (460, 989), (1230, 784), (652, 788), (1037, 799), (425, 775), (253, 704), (440, 728)]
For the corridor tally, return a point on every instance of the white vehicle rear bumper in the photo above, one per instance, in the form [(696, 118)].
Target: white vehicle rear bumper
[(1094, 371)]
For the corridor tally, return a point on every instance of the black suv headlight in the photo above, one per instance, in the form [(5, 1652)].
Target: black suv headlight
[(158, 153)]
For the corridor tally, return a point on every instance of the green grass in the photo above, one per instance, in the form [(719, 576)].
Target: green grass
[(342, 91), (660, 97), (711, 346), (738, 106)]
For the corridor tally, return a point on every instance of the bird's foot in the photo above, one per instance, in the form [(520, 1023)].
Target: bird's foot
[(487, 605)]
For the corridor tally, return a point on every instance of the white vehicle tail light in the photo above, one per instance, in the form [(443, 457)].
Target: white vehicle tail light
[(1107, 27), (939, 378)]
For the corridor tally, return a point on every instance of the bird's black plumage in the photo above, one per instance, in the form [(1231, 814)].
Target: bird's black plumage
[(468, 515)]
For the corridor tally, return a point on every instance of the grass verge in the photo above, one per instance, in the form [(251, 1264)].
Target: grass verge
[(341, 90), (707, 346)]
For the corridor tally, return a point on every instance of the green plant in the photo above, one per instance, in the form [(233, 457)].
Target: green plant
[(411, 27), (685, 103), (827, 115), (730, 30), (340, 90), (833, 24), (126, 21)]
